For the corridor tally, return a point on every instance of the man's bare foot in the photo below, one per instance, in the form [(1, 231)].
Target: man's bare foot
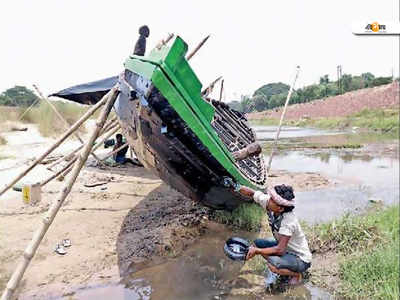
[(296, 280)]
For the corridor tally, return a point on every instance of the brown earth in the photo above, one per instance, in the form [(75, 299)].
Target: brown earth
[(385, 96)]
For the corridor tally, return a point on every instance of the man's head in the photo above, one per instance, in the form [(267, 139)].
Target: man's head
[(119, 138), (145, 31), (277, 206)]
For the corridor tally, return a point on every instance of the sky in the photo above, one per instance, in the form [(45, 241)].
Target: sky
[(56, 44)]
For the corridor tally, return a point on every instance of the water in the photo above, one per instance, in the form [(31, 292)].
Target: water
[(360, 179), (265, 133)]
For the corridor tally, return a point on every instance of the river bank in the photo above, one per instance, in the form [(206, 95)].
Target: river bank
[(152, 241)]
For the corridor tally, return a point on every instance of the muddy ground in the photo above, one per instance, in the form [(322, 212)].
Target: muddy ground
[(131, 221)]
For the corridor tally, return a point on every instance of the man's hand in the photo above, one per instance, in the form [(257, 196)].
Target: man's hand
[(251, 253)]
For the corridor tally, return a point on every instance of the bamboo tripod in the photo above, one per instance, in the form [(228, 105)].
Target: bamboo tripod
[(108, 100)]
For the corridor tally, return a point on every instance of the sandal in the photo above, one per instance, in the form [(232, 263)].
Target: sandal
[(60, 250), (66, 243)]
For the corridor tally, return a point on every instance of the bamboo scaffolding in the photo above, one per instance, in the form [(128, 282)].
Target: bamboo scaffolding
[(57, 203), (281, 120), (189, 56), (58, 142)]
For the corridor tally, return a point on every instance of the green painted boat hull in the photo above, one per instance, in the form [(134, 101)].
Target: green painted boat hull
[(185, 139)]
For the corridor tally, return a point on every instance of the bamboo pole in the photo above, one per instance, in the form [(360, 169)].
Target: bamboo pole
[(106, 128), (197, 48), (209, 89), (28, 109), (115, 151), (67, 125), (281, 120), (110, 133), (58, 142), (221, 90), (57, 203), (46, 181), (164, 42), (65, 157)]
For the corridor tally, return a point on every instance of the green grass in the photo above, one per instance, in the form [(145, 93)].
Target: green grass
[(246, 216), (369, 247)]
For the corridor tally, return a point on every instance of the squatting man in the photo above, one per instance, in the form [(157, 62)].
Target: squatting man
[(287, 253)]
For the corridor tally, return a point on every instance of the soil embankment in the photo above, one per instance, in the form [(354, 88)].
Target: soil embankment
[(385, 96)]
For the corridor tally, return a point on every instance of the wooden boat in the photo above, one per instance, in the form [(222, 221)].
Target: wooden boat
[(185, 138)]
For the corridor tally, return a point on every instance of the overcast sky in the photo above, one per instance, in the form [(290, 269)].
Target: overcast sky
[(57, 44)]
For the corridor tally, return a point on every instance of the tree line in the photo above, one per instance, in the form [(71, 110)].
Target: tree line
[(18, 96), (273, 95)]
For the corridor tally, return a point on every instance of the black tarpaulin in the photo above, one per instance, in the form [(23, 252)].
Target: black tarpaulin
[(88, 93)]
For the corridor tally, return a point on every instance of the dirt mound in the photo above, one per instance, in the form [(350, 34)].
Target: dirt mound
[(385, 96), (162, 225)]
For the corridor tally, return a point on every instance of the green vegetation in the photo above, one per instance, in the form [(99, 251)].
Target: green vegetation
[(274, 95), (49, 124), (369, 247), (18, 96), (247, 217)]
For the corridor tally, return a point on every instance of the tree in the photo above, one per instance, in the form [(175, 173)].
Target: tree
[(18, 96), (324, 79), (367, 78), (346, 82), (272, 89)]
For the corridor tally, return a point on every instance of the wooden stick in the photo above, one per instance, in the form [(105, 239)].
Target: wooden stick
[(164, 42), (57, 113), (221, 90), (209, 89), (29, 108), (65, 157), (115, 151), (58, 142), (282, 116), (110, 133), (57, 203), (110, 125), (197, 48), (44, 182)]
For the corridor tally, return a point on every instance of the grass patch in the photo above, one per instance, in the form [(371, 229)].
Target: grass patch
[(369, 247), (247, 216), (49, 124), (264, 122)]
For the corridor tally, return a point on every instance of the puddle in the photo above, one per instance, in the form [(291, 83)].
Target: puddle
[(204, 272)]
